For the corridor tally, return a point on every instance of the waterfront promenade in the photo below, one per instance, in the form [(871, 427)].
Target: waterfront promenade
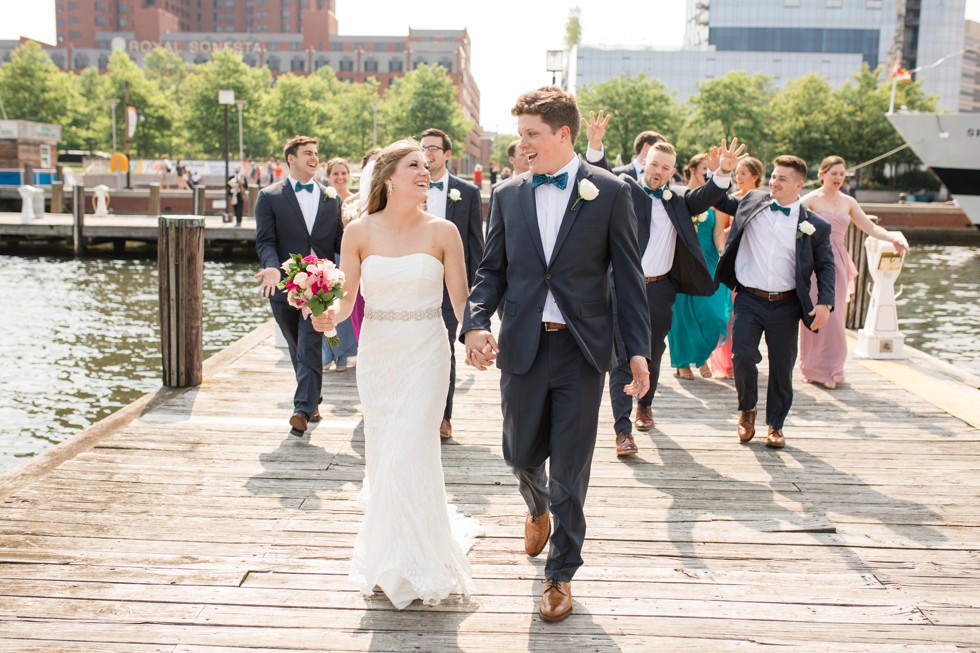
[(191, 522)]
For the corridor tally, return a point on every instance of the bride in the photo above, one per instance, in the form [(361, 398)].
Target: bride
[(411, 544)]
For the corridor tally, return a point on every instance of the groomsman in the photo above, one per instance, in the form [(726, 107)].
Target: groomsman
[(553, 236), (294, 216), (458, 201), (774, 247), (672, 262), (517, 161), (641, 145)]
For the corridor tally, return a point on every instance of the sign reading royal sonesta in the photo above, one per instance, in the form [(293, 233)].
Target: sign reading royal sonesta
[(243, 47)]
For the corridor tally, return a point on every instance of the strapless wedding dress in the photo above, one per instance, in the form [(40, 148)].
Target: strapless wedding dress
[(411, 544)]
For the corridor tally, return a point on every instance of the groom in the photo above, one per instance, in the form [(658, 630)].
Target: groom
[(295, 216), (552, 237)]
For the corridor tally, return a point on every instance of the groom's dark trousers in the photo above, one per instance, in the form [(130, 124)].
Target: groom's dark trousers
[(551, 381)]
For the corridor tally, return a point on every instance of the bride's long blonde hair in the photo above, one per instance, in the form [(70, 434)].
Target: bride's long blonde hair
[(384, 168)]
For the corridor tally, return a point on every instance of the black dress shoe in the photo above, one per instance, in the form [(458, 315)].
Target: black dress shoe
[(299, 420)]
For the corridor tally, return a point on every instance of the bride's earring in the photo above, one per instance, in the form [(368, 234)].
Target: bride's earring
[(391, 187)]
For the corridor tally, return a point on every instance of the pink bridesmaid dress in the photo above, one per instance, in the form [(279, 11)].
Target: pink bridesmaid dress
[(822, 354)]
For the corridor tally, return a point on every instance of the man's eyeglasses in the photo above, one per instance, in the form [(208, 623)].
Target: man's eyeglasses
[(432, 149)]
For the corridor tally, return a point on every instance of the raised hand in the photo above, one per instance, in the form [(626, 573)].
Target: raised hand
[(730, 156), (270, 281), (595, 128), (713, 159)]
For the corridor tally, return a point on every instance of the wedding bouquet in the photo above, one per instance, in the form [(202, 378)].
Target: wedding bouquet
[(314, 284)]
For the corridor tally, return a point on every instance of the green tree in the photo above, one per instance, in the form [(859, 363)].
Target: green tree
[(157, 111), (573, 28), (202, 131), (806, 119), (33, 88), (302, 105), (423, 98), (636, 104), (727, 107), (166, 69), (354, 119), (500, 143), (90, 125), (865, 132)]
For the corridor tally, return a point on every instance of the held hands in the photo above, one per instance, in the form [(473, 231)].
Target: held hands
[(270, 281), (821, 315), (729, 156), (481, 349), (641, 377), (595, 128)]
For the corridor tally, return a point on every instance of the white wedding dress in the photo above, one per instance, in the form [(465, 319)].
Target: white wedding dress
[(411, 544)]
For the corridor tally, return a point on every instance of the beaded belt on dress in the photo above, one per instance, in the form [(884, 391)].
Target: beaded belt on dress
[(403, 316)]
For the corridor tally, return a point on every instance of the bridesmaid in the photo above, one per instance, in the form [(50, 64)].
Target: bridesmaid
[(822, 354), (748, 176), (337, 173), (699, 323)]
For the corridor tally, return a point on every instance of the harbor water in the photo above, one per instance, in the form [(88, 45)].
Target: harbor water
[(80, 338)]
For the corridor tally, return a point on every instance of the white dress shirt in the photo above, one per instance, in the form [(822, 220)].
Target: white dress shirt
[(309, 203), (658, 254), (550, 203), (437, 202), (766, 258), (639, 169)]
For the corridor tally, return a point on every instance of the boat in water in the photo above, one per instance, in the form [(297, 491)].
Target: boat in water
[(949, 144)]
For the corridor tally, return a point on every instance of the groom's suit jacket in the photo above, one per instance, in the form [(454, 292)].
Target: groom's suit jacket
[(467, 215), (598, 232), (689, 271), (280, 229), (813, 253)]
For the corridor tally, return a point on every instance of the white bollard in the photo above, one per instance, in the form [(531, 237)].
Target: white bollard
[(880, 337), (101, 200), (28, 195)]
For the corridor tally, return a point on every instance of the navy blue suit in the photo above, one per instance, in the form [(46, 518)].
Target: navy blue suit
[(551, 382), (778, 320), (280, 230)]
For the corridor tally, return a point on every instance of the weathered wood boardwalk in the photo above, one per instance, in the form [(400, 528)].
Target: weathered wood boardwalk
[(201, 525)]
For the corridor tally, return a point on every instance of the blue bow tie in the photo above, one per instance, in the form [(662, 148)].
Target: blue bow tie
[(655, 192), (435, 184), (561, 181), (300, 187), (775, 206)]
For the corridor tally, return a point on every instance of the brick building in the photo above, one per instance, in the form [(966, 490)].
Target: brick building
[(297, 36)]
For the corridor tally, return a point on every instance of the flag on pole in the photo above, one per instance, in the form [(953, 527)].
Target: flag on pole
[(132, 115), (901, 75)]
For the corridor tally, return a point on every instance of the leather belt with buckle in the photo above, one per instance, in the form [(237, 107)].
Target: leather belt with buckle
[(770, 296), (553, 326), (659, 277)]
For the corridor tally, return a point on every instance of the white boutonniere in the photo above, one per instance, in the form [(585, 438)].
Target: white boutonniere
[(330, 192), (699, 218), (350, 211), (586, 191), (454, 195), (805, 229), (667, 195)]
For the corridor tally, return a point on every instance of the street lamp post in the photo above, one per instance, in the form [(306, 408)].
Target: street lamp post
[(227, 98), (554, 61), (112, 104), (241, 149)]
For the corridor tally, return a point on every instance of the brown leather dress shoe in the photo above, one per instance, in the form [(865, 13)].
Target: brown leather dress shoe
[(644, 418), (315, 417), (445, 430), (537, 530), (746, 424), (299, 420), (625, 446), (556, 602), (775, 439)]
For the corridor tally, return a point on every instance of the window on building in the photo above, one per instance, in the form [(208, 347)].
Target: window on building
[(123, 23), (835, 4), (873, 4), (99, 6), (121, 8), (100, 20), (336, 47), (346, 65), (447, 64), (371, 65), (103, 61), (396, 66), (81, 60), (320, 63), (298, 65), (273, 63)]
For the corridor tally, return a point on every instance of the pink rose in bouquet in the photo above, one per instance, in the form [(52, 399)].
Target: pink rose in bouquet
[(313, 284)]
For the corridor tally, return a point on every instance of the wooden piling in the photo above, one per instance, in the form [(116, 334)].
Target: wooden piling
[(154, 204), (57, 197), (78, 220), (200, 200), (180, 259)]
